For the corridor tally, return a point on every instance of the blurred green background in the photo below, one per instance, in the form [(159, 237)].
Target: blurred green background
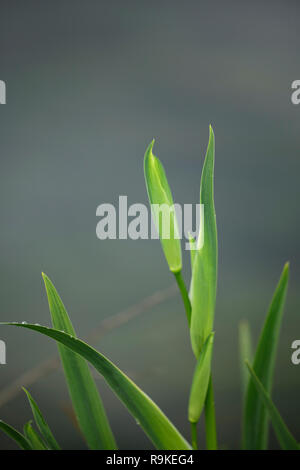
[(89, 84)]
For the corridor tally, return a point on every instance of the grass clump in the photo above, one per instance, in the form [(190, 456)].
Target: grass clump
[(199, 305)]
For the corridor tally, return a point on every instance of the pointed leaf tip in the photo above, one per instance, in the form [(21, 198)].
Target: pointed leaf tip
[(162, 207), (255, 432), (284, 436)]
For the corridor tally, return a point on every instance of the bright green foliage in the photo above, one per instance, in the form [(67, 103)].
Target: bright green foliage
[(20, 440), (284, 436), (159, 194), (85, 397), (155, 424), (33, 437), (200, 381), (204, 277), (41, 424), (255, 414), (199, 306)]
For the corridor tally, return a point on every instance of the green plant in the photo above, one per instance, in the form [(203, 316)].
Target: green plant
[(199, 306)]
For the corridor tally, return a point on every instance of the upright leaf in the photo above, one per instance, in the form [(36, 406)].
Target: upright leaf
[(255, 433), (41, 424), (200, 381), (204, 277), (163, 210), (152, 420), (85, 397), (284, 436), (15, 435), (32, 437)]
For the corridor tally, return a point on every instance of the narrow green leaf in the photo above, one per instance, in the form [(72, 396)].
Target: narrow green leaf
[(153, 421), (41, 423), (200, 381), (84, 394), (204, 277), (162, 208), (255, 432), (245, 347), (284, 436), (33, 437), (15, 435)]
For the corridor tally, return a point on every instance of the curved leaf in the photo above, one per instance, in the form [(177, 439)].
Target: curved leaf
[(153, 421), (255, 432), (284, 436), (15, 435), (41, 423), (32, 437), (85, 397), (160, 197), (204, 277)]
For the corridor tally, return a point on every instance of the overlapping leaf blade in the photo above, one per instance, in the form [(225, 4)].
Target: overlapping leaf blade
[(85, 397), (153, 421), (42, 424), (15, 436), (33, 437), (284, 436), (200, 381), (255, 432), (204, 277)]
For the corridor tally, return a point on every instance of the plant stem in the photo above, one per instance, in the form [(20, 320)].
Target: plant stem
[(184, 295), (194, 435), (210, 418)]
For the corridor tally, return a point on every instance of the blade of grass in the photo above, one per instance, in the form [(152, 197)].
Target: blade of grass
[(41, 424), (204, 277), (255, 420), (33, 437), (246, 352), (153, 421), (84, 394), (15, 436), (284, 436), (200, 381)]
